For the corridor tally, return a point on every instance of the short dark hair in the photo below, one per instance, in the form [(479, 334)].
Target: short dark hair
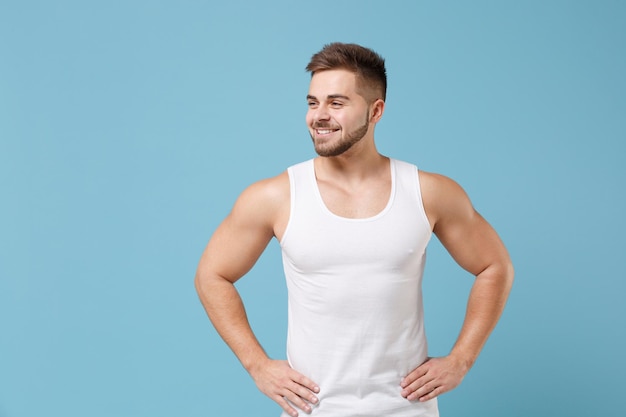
[(368, 66)]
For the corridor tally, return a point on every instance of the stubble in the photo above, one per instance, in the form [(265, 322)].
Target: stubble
[(345, 143)]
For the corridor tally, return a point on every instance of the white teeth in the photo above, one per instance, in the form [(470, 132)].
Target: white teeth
[(324, 131)]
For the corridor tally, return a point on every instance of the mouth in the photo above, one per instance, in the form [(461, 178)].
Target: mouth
[(325, 131)]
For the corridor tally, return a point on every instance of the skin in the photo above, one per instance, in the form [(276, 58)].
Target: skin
[(354, 180)]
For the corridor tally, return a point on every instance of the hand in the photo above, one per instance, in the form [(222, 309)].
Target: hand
[(280, 382), (433, 378)]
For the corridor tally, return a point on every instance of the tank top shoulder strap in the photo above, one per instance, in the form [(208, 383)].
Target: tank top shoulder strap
[(301, 189), (408, 185)]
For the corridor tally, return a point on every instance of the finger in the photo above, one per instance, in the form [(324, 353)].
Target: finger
[(421, 392), (305, 382), (413, 376), (432, 394), (419, 387), (304, 393), (285, 406), (299, 397)]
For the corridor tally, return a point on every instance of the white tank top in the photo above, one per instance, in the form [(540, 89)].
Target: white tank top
[(355, 316)]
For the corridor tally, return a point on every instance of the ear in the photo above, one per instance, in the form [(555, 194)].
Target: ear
[(377, 108)]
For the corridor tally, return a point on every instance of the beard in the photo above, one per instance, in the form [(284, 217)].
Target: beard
[(345, 143)]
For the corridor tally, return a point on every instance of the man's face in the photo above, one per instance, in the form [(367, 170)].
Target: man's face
[(338, 117)]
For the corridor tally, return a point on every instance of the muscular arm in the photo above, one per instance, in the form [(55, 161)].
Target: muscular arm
[(476, 247), (231, 252)]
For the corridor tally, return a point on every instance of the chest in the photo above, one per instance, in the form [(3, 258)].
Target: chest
[(356, 202)]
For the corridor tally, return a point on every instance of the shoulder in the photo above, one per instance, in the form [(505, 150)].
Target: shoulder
[(265, 196), (437, 185), (264, 206), (443, 198)]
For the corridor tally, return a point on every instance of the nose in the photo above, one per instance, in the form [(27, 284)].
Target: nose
[(320, 113)]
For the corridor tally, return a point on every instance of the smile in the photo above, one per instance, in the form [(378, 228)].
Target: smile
[(325, 131)]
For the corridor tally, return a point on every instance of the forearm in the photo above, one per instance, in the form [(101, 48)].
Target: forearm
[(225, 309), (485, 305)]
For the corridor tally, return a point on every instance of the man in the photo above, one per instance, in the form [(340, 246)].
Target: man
[(353, 226)]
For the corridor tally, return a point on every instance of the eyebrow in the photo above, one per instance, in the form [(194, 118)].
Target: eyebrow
[(329, 97)]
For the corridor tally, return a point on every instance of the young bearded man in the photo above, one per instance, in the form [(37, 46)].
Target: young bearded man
[(353, 226)]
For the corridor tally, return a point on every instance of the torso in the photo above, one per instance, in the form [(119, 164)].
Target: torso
[(354, 283), (363, 202)]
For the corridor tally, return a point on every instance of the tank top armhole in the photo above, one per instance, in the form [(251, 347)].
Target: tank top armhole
[(418, 190), (292, 202)]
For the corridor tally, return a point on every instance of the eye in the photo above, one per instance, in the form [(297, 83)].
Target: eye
[(336, 104), (312, 104)]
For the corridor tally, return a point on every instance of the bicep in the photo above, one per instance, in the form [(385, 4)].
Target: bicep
[(465, 234), (472, 242), (233, 249), (239, 240)]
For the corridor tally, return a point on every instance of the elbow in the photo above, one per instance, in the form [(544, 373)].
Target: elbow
[(509, 270), (197, 282), (501, 274), (209, 285), (200, 283), (508, 275)]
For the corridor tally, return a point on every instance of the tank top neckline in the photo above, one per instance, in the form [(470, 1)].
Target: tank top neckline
[(324, 207)]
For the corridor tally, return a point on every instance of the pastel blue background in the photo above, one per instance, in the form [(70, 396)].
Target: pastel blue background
[(128, 128)]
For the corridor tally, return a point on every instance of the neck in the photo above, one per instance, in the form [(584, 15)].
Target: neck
[(358, 163)]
